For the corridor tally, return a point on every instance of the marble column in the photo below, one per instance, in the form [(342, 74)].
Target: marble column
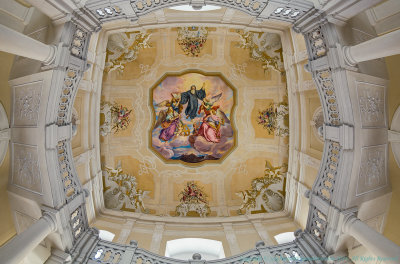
[(375, 242), (21, 245), (379, 47), (14, 42)]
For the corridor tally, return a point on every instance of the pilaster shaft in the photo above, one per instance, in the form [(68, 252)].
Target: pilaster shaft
[(379, 47), (156, 239), (125, 232), (231, 238), (14, 42), (375, 242), (16, 249), (263, 233)]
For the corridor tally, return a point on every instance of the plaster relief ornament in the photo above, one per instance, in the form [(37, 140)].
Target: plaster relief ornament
[(75, 122), (266, 194), (193, 199), (122, 192), (264, 47), (317, 124), (116, 118), (192, 39), (275, 119), (123, 48)]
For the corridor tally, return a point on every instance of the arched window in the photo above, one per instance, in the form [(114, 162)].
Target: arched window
[(105, 235), (284, 237), (184, 248)]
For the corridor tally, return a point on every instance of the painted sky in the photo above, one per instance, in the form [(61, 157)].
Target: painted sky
[(178, 84)]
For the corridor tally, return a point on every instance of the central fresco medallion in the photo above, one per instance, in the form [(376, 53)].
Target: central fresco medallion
[(193, 117)]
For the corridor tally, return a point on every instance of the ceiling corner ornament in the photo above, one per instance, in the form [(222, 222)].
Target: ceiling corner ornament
[(275, 119), (116, 118), (121, 192), (267, 193), (192, 39), (4, 133), (123, 48), (193, 199), (264, 47), (317, 124)]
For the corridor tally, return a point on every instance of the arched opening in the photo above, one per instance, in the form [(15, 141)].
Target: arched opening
[(184, 248)]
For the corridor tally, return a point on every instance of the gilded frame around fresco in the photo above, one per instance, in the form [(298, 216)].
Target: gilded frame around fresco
[(232, 119)]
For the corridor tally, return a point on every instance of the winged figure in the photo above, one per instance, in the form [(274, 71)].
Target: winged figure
[(114, 172), (172, 105), (169, 118), (208, 104)]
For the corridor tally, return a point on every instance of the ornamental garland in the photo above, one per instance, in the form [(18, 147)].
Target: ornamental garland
[(193, 194), (192, 39), (116, 118), (275, 119)]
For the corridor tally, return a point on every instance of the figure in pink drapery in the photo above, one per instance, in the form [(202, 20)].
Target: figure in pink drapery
[(210, 128)]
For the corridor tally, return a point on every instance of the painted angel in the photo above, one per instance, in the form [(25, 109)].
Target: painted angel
[(169, 118), (114, 172), (137, 200), (208, 104)]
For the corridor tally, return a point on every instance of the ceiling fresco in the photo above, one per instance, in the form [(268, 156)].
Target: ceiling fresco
[(193, 113), (194, 122)]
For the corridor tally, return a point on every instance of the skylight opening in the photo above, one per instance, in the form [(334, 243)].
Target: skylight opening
[(184, 248), (190, 8)]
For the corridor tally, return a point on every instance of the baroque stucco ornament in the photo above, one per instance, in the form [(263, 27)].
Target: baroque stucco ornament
[(263, 47), (122, 191), (123, 48), (116, 118), (275, 119), (193, 199), (192, 39), (266, 194)]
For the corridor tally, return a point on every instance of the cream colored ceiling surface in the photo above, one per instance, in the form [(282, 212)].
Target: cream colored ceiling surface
[(249, 178)]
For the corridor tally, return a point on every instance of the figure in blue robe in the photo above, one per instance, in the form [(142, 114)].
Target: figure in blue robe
[(191, 97)]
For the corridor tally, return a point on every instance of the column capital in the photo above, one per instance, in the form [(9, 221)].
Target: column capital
[(348, 221), (51, 219), (52, 55), (348, 58)]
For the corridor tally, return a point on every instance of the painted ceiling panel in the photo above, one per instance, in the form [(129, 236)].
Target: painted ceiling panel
[(169, 148)]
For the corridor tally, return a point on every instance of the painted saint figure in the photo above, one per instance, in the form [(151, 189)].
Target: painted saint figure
[(169, 125), (191, 97), (210, 128)]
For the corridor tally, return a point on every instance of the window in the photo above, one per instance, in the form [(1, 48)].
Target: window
[(284, 237), (190, 8), (184, 248), (105, 235)]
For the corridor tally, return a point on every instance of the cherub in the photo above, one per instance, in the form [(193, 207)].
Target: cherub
[(114, 172)]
